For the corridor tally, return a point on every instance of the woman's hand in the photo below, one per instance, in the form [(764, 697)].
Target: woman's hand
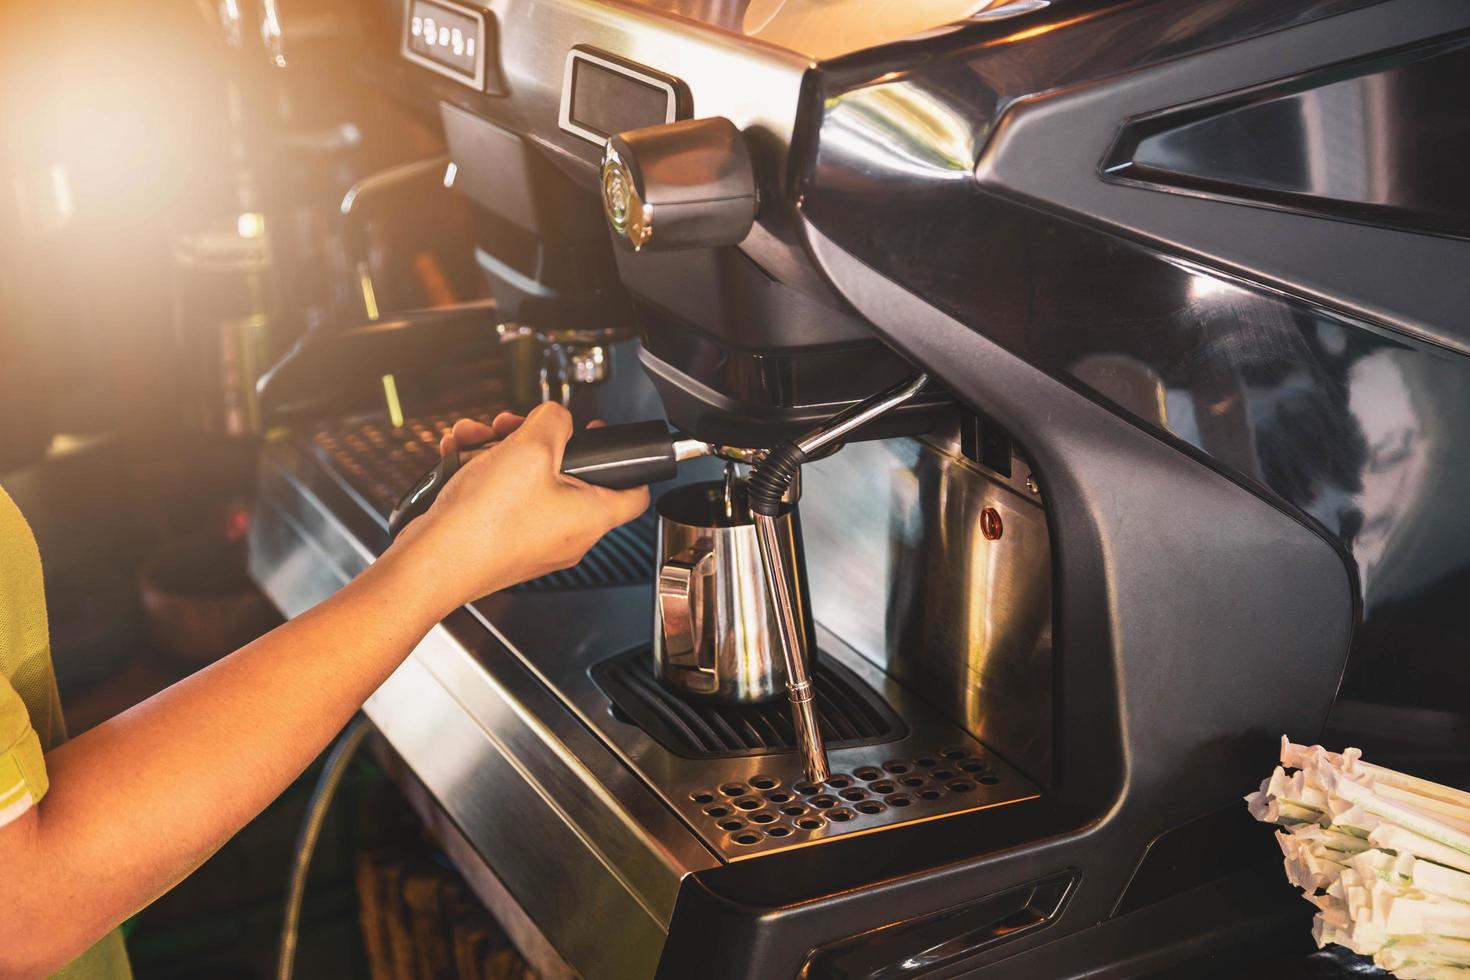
[(509, 514)]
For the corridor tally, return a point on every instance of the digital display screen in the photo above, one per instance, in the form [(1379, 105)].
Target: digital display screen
[(449, 39), (607, 98)]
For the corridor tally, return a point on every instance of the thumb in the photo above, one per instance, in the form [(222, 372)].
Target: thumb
[(550, 426), (623, 506)]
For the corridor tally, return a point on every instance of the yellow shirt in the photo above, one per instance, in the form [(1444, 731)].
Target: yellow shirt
[(30, 712)]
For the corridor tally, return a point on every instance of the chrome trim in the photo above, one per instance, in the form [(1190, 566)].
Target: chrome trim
[(635, 222), (564, 117), (783, 575), (900, 567), (389, 177), (779, 575), (860, 414)]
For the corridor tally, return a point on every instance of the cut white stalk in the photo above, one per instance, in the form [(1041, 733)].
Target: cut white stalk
[(1382, 855), (1392, 838), (1403, 816)]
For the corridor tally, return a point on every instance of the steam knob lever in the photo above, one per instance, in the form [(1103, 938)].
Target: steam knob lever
[(618, 457)]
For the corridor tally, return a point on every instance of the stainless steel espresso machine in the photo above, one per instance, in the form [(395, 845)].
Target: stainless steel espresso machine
[(1050, 404)]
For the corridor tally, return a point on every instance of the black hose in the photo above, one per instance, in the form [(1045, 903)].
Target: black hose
[(772, 477), (311, 828)]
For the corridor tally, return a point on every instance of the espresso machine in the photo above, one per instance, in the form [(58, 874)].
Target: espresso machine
[(1049, 405)]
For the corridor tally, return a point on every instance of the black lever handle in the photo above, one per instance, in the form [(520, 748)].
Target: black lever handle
[(618, 457)]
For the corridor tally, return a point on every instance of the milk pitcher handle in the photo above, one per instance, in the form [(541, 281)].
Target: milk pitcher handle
[(682, 583)]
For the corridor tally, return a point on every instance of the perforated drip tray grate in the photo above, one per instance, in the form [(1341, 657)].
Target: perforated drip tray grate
[(379, 461), (765, 810), (848, 711)]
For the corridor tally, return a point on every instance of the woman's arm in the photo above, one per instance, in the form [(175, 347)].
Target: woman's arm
[(141, 800)]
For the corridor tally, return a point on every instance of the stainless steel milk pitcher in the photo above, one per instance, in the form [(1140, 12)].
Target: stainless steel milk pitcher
[(714, 631)]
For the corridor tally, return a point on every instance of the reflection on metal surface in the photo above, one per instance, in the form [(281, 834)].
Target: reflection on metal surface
[(714, 626), (908, 128), (390, 178), (902, 569), (568, 357), (824, 29)]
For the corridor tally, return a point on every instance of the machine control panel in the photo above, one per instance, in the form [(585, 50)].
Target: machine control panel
[(449, 39)]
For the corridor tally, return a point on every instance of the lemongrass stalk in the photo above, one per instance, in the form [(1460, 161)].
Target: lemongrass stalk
[(1433, 972), (1439, 946), (1394, 838), (1405, 817), (1440, 880), (1450, 813), (1409, 917), (1414, 784), (1295, 756)]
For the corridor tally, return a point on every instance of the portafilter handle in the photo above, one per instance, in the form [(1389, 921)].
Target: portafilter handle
[(766, 486), (618, 457)]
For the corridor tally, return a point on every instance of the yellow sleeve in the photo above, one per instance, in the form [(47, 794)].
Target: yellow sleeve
[(22, 764)]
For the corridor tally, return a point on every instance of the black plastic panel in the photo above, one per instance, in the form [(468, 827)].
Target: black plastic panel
[(921, 946), (1173, 863), (1385, 144), (1316, 360)]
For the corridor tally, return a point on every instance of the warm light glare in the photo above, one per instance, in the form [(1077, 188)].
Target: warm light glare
[(390, 394), (61, 191), (369, 294), (251, 224)]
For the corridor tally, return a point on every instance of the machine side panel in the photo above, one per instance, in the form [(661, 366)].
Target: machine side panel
[(1230, 625), (1313, 350)]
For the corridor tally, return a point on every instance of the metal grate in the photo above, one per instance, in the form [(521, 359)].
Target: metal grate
[(762, 809), (848, 711), (379, 462)]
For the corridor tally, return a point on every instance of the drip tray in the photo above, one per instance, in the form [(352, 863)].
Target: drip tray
[(849, 712), (733, 776)]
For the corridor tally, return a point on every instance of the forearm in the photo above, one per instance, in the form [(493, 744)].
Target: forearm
[(138, 802)]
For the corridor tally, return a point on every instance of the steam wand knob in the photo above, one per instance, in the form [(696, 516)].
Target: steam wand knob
[(618, 457)]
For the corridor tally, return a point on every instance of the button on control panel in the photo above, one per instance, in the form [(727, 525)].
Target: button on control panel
[(448, 39)]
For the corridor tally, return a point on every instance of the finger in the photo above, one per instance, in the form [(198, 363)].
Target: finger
[(623, 505), (550, 425), (505, 423), (468, 432), (447, 445), (597, 424)]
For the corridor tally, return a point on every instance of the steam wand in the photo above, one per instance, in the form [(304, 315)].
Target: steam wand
[(768, 483)]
